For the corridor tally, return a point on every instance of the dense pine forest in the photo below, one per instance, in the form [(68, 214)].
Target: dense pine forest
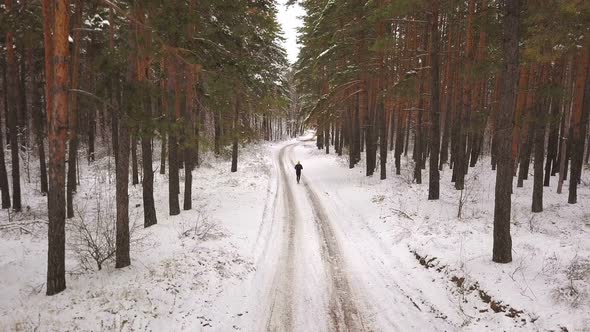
[(453, 81), (83, 78), (128, 127)]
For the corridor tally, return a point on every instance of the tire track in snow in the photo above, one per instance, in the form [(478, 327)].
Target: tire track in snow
[(343, 311), (410, 302), (281, 309)]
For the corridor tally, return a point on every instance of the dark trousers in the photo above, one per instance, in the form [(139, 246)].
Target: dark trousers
[(298, 176)]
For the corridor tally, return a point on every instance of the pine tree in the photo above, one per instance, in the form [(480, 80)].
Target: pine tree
[(73, 111), (502, 251), (12, 113), (4, 187), (434, 185), (56, 20)]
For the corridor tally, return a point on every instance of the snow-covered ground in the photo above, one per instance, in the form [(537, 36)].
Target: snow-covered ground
[(337, 252), (179, 266), (396, 242)]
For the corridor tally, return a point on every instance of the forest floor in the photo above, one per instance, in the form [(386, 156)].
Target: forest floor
[(339, 251)]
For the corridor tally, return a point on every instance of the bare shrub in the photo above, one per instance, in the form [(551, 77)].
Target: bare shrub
[(92, 233), (407, 172), (550, 266), (577, 270), (200, 228), (466, 194)]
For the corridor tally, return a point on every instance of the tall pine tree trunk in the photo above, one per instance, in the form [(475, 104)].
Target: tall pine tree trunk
[(122, 258), (564, 146), (189, 148), (434, 175), (57, 20), (174, 109), (4, 187), (12, 113), (400, 135), (521, 102), (350, 131), (539, 142), (327, 137), (113, 89), (553, 130), (134, 164), (165, 117), (147, 184), (73, 113), (217, 132), (149, 208), (236, 138), (38, 127), (382, 138), (502, 248), (581, 108)]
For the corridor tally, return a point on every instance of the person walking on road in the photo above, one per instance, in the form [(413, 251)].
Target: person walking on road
[(298, 169)]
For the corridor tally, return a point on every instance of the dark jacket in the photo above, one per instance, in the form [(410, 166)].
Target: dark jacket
[(298, 168)]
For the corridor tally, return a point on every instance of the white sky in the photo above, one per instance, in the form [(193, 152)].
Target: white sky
[(289, 19)]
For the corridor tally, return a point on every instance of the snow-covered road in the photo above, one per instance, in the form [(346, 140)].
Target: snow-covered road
[(338, 252), (311, 287), (322, 268)]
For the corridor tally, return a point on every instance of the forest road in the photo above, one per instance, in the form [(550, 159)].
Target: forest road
[(329, 304), (325, 268)]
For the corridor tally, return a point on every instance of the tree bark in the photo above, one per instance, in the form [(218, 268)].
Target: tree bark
[(553, 131), (4, 187), (12, 113), (327, 138), (73, 112), (340, 140), (494, 120), (502, 248), (174, 108), (539, 142), (350, 131), (434, 175), (57, 48), (399, 141), (521, 102), (320, 137), (382, 137), (149, 209), (165, 118), (113, 89), (122, 258), (236, 138), (134, 164), (356, 131), (37, 121), (143, 63), (418, 144), (189, 148), (579, 120), (217, 132)]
